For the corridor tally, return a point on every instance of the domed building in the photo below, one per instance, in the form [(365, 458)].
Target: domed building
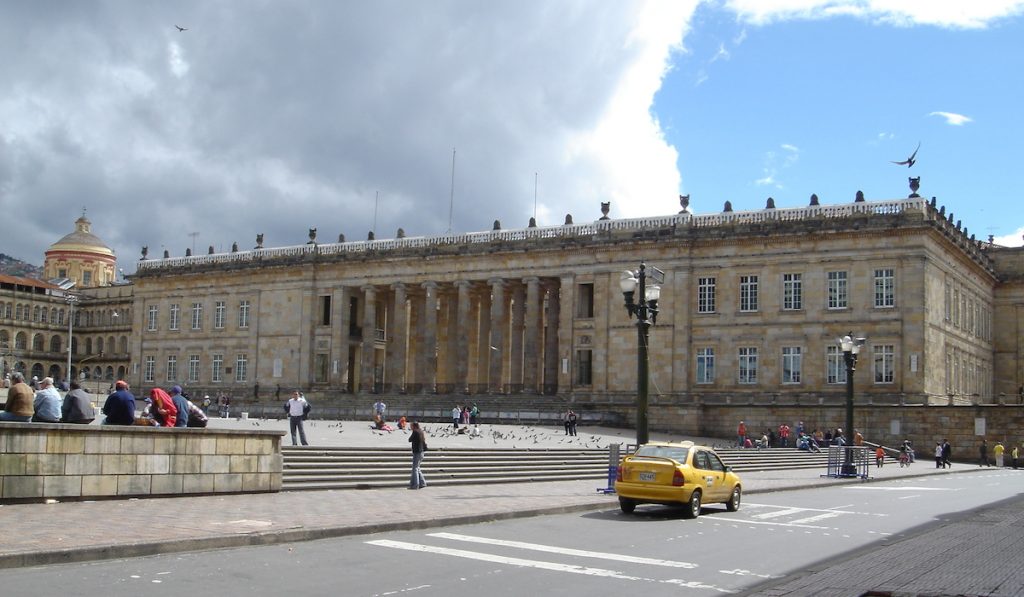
[(81, 257)]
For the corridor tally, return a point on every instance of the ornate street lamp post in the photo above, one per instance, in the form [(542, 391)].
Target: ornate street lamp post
[(646, 311), (71, 300), (850, 347)]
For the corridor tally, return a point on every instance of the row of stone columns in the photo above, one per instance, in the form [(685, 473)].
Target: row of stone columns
[(468, 336)]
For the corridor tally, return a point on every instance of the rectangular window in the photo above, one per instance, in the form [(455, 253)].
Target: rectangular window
[(241, 367), (584, 371), (175, 322), (149, 370), (748, 365), (218, 315), (748, 293), (585, 301), (792, 364), (243, 314), (885, 363), (885, 288), (197, 316), (970, 316), (837, 290), (956, 307), (949, 292), (835, 365), (705, 295), (193, 368), (151, 318), (705, 365), (325, 310), (217, 370), (320, 368), (86, 278), (172, 368), (792, 292)]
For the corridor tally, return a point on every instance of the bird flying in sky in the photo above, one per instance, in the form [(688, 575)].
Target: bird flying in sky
[(180, 29), (909, 161)]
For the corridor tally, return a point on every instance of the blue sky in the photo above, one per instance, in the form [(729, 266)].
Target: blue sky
[(822, 105), (275, 117)]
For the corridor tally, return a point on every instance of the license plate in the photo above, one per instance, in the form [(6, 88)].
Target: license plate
[(647, 476)]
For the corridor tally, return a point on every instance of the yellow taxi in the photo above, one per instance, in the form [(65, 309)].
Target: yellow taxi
[(676, 474)]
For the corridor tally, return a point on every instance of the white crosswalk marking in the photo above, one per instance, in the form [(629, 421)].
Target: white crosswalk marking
[(778, 513), (565, 551), (552, 566), (815, 518)]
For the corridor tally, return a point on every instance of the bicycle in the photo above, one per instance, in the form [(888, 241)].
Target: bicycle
[(904, 459)]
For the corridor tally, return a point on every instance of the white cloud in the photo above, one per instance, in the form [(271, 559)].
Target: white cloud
[(176, 60), (1014, 239), (940, 13), (721, 54), (953, 118)]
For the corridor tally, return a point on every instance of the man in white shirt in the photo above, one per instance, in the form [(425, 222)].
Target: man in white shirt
[(297, 409), (379, 408)]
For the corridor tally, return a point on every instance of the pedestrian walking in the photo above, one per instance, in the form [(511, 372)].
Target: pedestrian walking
[(1014, 455), (998, 451), (419, 446), (298, 409), (947, 453), (938, 455), (879, 456), (983, 454), (456, 415)]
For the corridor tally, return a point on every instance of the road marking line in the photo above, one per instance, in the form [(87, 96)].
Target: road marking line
[(551, 566), (777, 524), (877, 488), (565, 550), (796, 507), (816, 518), (778, 513)]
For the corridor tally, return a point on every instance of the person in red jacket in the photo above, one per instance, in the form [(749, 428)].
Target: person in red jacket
[(162, 408), (741, 433)]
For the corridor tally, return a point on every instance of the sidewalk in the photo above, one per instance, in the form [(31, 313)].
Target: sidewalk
[(37, 534)]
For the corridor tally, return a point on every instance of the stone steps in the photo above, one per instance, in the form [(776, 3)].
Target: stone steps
[(314, 468)]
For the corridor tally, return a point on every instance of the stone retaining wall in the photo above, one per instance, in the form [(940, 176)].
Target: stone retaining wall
[(42, 461)]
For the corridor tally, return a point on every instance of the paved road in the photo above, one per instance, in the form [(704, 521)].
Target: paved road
[(601, 552)]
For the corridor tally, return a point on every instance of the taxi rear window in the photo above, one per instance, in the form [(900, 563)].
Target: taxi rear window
[(677, 454)]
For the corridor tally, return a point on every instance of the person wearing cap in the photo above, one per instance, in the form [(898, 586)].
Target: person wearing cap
[(120, 406), (47, 402), (181, 404), (18, 408), (77, 406)]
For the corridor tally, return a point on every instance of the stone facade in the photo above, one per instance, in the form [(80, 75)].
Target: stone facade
[(751, 307), (41, 461)]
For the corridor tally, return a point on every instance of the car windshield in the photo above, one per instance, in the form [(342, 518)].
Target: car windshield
[(673, 452)]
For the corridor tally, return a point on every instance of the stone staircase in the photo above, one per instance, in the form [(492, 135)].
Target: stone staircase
[(315, 468)]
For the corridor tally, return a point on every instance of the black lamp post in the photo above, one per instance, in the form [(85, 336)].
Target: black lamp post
[(646, 311), (850, 347)]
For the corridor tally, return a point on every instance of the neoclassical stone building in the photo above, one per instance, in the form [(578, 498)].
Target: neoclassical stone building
[(750, 309)]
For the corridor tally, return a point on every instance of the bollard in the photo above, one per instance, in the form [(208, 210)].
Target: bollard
[(613, 466)]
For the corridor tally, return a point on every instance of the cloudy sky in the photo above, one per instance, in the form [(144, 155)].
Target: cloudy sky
[(274, 117)]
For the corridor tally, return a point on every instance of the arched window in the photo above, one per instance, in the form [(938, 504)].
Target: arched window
[(111, 346), (109, 373), (88, 346), (37, 370), (54, 371), (17, 311), (35, 313), (53, 316), (38, 342), (97, 373), (74, 345), (99, 345), (5, 339), (21, 341), (44, 315), (124, 345), (55, 343)]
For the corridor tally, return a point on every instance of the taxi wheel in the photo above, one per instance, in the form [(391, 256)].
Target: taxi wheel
[(627, 505), (692, 509), (734, 500)]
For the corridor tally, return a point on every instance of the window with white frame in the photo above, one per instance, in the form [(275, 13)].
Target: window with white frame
[(218, 314), (243, 314), (747, 365), (792, 292), (217, 368), (193, 368), (885, 363), (149, 369), (151, 318), (705, 295), (705, 365), (197, 316), (175, 321), (835, 365), (748, 293), (837, 290), (792, 364), (885, 288), (241, 367), (172, 367)]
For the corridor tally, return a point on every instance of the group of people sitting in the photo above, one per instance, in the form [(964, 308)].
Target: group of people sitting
[(45, 404), (162, 409)]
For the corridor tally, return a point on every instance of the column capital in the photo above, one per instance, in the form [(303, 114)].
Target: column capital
[(497, 282), (531, 280), (462, 284), (368, 288), (398, 286)]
